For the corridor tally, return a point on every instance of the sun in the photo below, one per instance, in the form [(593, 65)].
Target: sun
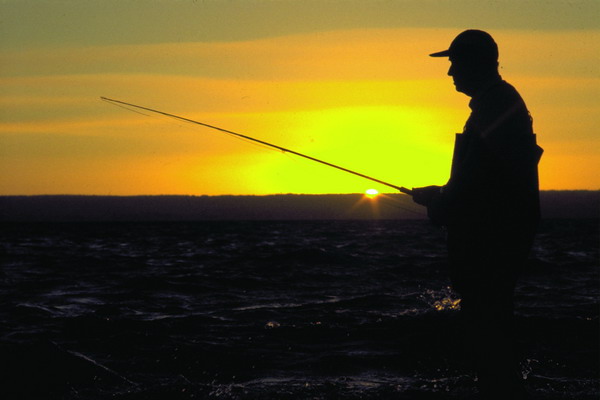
[(371, 193)]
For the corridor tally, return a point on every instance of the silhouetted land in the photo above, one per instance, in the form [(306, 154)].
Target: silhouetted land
[(555, 204)]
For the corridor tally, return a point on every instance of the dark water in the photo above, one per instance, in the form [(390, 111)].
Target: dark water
[(275, 310)]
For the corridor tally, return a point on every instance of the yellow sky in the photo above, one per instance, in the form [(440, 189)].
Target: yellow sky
[(345, 82)]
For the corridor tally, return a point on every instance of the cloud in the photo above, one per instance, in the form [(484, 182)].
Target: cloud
[(354, 54), (34, 23)]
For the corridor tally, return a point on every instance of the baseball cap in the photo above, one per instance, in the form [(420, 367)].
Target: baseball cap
[(471, 44)]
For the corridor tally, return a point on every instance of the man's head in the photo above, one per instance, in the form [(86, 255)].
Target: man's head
[(474, 58)]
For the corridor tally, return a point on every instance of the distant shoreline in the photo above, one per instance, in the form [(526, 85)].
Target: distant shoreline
[(55, 208)]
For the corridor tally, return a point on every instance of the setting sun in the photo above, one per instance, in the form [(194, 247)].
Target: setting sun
[(371, 193)]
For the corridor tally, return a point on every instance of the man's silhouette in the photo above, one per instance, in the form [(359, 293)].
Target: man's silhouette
[(490, 208)]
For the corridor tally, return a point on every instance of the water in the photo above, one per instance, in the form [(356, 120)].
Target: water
[(275, 310)]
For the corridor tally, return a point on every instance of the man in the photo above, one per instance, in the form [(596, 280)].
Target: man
[(490, 208)]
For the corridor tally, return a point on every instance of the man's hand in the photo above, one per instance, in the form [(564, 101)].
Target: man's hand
[(424, 195), (436, 203)]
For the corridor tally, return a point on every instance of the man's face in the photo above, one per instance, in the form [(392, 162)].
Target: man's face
[(462, 75)]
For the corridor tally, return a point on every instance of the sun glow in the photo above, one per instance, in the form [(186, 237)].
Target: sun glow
[(371, 193)]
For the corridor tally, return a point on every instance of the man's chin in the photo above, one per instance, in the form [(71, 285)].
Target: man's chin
[(460, 89)]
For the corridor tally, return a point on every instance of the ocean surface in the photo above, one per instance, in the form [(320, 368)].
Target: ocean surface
[(276, 310)]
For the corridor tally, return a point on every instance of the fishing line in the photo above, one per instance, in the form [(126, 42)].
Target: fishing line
[(94, 362), (126, 108), (235, 136), (262, 142), (153, 115)]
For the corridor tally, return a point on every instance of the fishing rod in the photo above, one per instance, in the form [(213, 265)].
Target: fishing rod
[(283, 149)]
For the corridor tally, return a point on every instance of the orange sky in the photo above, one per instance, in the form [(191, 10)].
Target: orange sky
[(351, 85)]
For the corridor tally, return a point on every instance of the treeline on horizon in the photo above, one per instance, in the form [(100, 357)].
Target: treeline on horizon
[(51, 208)]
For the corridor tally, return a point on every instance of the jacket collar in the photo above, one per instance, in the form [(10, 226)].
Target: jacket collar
[(477, 97)]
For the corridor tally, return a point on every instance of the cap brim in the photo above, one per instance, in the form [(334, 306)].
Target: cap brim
[(445, 53)]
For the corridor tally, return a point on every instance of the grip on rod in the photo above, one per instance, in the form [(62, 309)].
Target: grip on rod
[(406, 191)]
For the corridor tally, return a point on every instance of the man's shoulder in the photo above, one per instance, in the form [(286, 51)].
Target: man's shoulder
[(502, 89), (501, 95)]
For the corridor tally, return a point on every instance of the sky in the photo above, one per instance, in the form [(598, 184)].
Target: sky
[(346, 81)]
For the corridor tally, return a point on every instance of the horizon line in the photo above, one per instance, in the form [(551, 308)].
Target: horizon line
[(241, 195)]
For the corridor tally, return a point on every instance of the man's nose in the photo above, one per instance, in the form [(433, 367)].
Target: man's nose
[(450, 70)]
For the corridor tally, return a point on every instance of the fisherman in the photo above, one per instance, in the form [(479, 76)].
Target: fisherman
[(490, 209)]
